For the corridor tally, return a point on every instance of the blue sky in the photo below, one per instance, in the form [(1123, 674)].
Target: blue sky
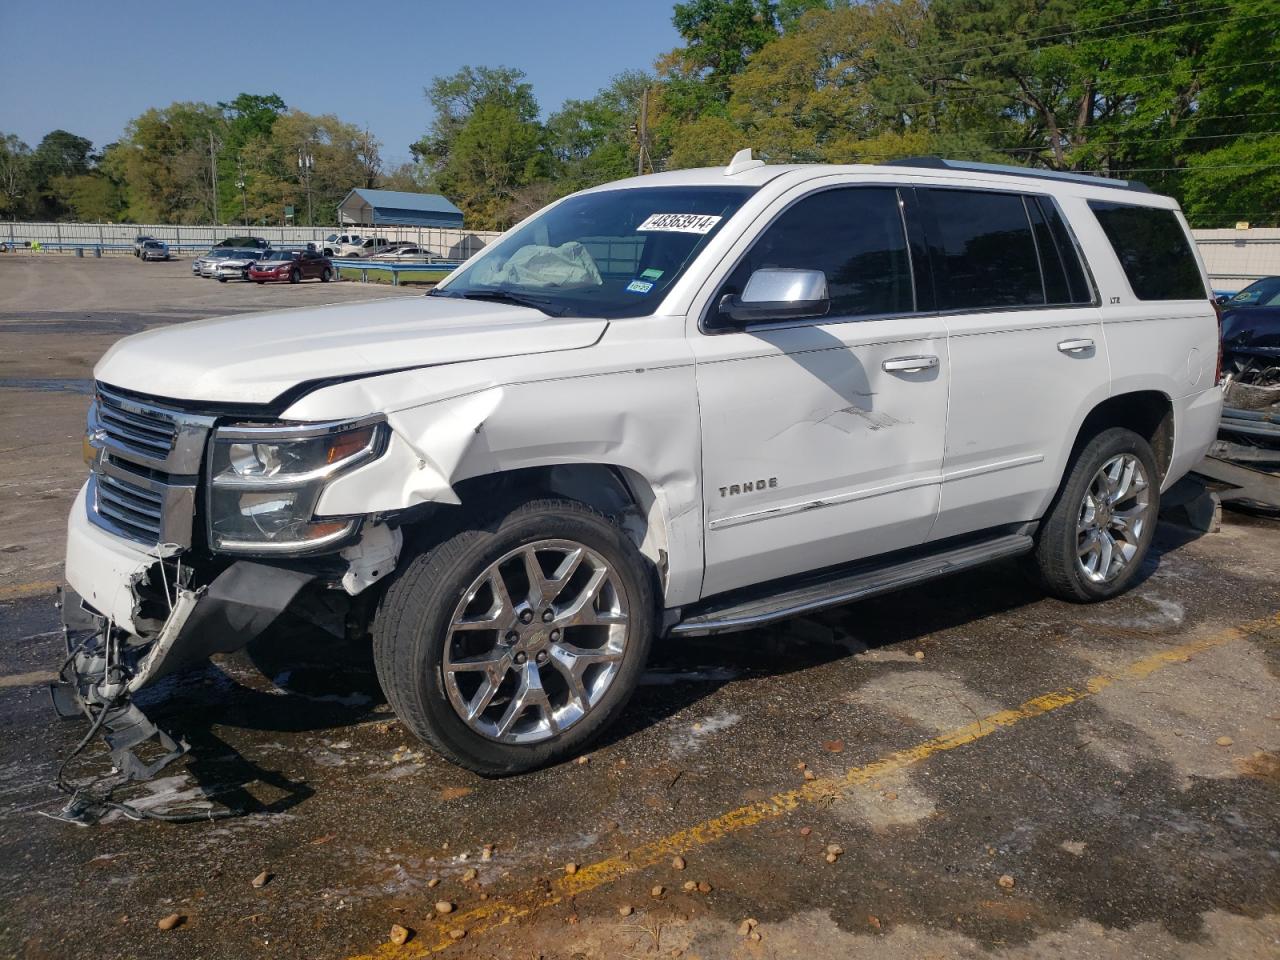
[(89, 66)]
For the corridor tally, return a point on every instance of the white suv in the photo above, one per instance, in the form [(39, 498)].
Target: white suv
[(691, 402)]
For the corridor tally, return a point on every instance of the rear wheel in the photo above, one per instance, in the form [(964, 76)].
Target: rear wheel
[(1097, 533), (516, 642), (326, 276)]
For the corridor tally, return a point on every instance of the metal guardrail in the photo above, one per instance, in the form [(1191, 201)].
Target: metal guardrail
[(395, 268)]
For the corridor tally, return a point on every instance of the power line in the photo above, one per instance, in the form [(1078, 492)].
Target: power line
[(1194, 169), (1190, 118), (990, 52), (1105, 24), (1105, 143), (1137, 76)]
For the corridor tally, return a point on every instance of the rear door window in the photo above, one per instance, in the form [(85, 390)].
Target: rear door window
[(983, 250), (1153, 250)]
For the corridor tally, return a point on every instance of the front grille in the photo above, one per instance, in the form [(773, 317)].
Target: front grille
[(135, 429), (143, 485), (135, 509)]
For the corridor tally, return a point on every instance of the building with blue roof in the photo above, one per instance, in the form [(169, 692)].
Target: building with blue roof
[(397, 208)]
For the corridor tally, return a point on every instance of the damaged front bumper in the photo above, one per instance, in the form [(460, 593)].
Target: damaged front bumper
[(132, 615), (170, 617)]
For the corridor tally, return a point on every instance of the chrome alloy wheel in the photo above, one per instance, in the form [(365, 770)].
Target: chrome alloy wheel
[(1113, 516), (536, 641)]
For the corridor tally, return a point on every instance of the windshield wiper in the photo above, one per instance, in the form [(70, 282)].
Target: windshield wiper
[(503, 296)]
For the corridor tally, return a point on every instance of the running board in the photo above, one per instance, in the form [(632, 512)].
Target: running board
[(844, 588)]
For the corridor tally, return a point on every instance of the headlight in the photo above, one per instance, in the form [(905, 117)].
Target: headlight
[(264, 483)]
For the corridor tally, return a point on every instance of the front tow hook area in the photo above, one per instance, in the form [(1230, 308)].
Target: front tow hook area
[(105, 666)]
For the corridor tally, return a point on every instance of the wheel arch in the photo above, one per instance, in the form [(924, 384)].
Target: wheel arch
[(617, 491), (1148, 413)]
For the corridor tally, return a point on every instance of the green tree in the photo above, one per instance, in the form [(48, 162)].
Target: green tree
[(456, 98), (16, 177), (495, 154), (59, 156), (485, 145), (597, 140), (721, 35), (88, 197), (167, 154)]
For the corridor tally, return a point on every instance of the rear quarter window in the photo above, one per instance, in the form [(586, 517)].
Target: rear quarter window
[(1153, 250)]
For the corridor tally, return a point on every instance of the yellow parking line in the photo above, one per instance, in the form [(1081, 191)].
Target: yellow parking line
[(593, 876), (19, 591)]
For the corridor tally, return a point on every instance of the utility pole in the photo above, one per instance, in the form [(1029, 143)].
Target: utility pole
[(305, 162), (643, 133), (213, 172), (240, 186)]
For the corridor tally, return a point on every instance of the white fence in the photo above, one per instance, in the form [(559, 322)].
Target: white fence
[(1235, 258), (446, 243)]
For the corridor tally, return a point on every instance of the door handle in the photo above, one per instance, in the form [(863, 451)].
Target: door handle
[(909, 364), (1075, 346)]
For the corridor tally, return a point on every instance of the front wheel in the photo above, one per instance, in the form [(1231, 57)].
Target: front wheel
[(295, 277), (326, 276), (1098, 530), (516, 642)]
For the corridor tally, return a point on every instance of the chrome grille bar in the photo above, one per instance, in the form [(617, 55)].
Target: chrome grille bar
[(149, 456)]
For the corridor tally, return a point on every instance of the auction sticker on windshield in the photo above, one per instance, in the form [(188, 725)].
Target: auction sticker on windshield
[(680, 223)]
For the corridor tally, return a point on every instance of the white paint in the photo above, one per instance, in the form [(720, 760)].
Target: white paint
[(253, 358)]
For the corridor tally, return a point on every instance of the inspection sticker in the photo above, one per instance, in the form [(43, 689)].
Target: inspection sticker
[(639, 286), (680, 223), (651, 274)]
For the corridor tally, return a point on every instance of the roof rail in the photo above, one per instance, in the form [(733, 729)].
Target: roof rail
[(1008, 169)]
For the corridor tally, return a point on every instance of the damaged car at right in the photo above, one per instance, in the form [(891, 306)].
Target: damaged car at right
[(687, 403), (1251, 363)]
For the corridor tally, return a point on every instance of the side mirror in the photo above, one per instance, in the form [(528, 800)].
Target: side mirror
[(774, 293)]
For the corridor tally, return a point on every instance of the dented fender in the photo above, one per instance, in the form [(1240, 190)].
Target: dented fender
[(628, 403)]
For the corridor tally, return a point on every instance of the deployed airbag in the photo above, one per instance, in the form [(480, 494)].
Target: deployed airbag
[(568, 265)]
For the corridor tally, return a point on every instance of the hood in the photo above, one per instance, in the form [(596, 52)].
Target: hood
[(254, 358)]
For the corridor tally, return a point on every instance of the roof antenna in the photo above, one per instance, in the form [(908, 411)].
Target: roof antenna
[(742, 161)]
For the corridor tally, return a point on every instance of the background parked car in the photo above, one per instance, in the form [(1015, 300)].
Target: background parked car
[(244, 243), (138, 243), (153, 250), (339, 244), (209, 262), (291, 265), (234, 267), (404, 252), (1251, 334), (369, 247)]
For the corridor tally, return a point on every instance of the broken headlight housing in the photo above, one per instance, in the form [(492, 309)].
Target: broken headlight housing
[(265, 482)]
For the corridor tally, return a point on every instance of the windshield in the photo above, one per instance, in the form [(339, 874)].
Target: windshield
[(1260, 293), (278, 255), (604, 254)]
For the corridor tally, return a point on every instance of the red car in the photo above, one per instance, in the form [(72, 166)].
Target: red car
[(291, 265)]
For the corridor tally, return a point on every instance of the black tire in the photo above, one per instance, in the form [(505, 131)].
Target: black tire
[(414, 615), (259, 282), (222, 279), (1057, 541), (326, 276), (295, 277)]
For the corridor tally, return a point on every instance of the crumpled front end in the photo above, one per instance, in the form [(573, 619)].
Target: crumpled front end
[(192, 534)]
